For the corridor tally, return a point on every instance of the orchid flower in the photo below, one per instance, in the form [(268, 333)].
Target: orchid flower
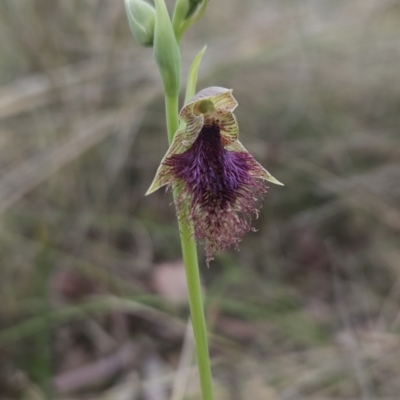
[(215, 175)]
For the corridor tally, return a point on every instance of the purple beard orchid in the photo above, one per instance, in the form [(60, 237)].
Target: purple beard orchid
[(216, 177)]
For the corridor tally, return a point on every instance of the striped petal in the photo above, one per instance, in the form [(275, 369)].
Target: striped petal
[(163, 175), (194, 123), (229, 127)]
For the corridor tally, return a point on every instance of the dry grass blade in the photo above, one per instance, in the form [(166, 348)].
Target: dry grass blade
[(96, 373), (185, 362), (19, 181)]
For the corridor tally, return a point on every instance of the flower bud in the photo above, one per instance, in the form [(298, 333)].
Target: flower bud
[(141, 18), (186, 13), (166, 51), (193, 5)]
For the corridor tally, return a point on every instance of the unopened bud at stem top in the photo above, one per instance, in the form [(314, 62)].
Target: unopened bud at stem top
[(186, 13), (141, 17), (193, 5)]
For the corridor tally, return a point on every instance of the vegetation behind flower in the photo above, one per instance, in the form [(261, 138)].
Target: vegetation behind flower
[(313, 289)]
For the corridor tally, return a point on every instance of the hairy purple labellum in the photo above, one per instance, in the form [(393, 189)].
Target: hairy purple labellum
[(221, 186)]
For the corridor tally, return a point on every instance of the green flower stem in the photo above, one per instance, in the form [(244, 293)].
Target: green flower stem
[(190, 260)]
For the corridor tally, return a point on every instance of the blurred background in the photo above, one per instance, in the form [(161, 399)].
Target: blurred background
[(92, 289)]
